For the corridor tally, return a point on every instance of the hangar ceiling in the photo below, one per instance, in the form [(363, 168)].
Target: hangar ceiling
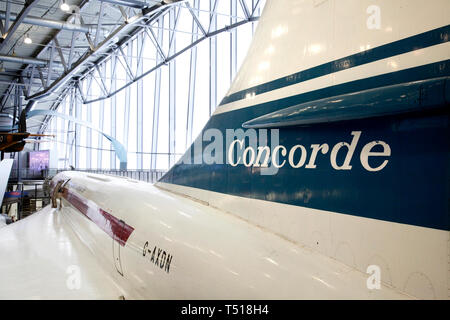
[(69, 46)]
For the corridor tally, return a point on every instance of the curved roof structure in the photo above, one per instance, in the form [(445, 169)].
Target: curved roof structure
[(69, 46)]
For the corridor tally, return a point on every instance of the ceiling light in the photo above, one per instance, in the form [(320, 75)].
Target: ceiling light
[(64, 6), (27, 39)]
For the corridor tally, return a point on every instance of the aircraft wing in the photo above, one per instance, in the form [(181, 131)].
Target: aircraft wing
[(46, 259), (8, 144)]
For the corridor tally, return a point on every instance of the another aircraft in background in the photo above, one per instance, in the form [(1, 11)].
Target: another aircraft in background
[(15, 141)]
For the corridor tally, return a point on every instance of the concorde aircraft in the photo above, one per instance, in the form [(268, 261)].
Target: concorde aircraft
[(324, 173)]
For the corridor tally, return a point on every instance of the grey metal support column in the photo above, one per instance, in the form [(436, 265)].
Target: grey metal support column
[(113, 109), (78, 107), (14, 96), (233, 40), (70, 125), (6, 96), (192, 79), (172, 89), (101, 116), (212, 58), (50, 65), (88, 130), (71, 51), (62, 143), (140, 106), (253, 12), (156, 103), (99, 25), (54, 130), (126, 119), (7, 17), (18, 105), (19, 101)]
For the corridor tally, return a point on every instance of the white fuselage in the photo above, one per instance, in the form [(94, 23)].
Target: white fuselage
[(213, 255)]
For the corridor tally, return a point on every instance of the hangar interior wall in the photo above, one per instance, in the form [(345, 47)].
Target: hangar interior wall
[(156, 92)]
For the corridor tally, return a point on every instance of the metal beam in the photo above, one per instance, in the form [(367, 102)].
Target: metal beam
[(255, 6), (102, 79), (160, 63), (103, 47), (140, 107), (70, 124), (88, 36), (151, 14), (99, 24), (78, 114), (194, 16), (172, 84), (245, 9), (7, 15), (31, 80), (48, 23), (41, 76), (126, 116), (22, 84), (233, 40), (23, 60), (19, 19), (50, 65), (128, 3), (72, 18), (100, 125), (212, 58), (60, 53), (123, 13), (113, 113), (72, 46), (63, 127), (153, 39), (88, 134), (173, 23), (77, 86), (7, 95), (140, 50), (126, 62), (156, 102), (192, 80)]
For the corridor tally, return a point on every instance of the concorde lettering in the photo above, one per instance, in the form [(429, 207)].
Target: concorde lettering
[(250, 148), (298, 154)]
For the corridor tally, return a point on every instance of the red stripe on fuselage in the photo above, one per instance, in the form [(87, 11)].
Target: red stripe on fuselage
[(115, 228)]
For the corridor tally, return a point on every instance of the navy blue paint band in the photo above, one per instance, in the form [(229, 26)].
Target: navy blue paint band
[(428, 71), (420, 41), (407, 97), (412, 189)]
